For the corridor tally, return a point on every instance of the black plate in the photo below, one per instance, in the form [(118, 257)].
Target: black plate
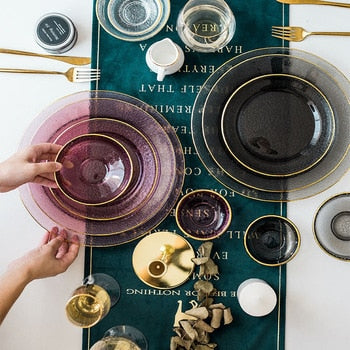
[(276, 125), (236, 72)]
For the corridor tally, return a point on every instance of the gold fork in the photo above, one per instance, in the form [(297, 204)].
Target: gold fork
[(315, 2), (299, 33), (68, 59), (74, 75)]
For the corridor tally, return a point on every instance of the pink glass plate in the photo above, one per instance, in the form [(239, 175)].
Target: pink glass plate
[(97, 169), (145, 159), (87, 105)]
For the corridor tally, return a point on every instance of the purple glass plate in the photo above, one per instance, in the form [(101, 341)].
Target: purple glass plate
[(53, 121), (97, 169), (144, 158), (203, 214)]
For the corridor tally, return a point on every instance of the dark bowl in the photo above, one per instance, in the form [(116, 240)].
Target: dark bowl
[(272, 240), (203, 214)]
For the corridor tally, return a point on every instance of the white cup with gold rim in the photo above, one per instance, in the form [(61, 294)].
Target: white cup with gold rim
[(164, 57)]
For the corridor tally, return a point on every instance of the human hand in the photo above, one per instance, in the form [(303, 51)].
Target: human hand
[(34, 164), (53, 256)]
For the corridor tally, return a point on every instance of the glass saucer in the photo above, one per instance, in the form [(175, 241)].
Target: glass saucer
[(272, 240), (97, 169), (133, 20), (134, 17), (332, 226), (203, 214)]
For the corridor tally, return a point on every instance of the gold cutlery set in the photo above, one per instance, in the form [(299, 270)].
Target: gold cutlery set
[(298, 33), (73, 74)]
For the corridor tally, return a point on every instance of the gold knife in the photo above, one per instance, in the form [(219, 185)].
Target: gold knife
[(314, 2), (80, 61)]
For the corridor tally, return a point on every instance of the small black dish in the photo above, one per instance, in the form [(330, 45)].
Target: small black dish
[(272, 240)]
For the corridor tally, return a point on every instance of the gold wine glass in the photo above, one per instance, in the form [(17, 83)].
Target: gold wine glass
[(92, 301)]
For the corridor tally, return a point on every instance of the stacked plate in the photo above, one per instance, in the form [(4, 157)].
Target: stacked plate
[(272, 124), (123, 167)]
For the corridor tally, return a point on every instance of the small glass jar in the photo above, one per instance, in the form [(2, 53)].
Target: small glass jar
[(55, 33)]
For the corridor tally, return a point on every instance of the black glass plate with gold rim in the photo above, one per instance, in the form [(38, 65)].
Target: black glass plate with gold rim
[(223, 82), (275, 125), (272, 240)]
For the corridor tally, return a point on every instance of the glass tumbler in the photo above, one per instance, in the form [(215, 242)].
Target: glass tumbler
[(206, 25)]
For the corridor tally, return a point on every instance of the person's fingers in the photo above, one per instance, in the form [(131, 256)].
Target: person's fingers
[(37, 151), (46, 167), (45, 238), (48, 176), (54, 232), (47, 156), (45, 182), (62, 250), (55, 243), (67, 164), (44, 173), (48, 235), (71, 253)]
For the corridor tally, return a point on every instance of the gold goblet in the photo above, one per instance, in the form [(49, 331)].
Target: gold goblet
[(92, 301)]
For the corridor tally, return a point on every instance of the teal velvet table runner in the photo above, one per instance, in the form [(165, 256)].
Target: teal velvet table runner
[(123, 69)]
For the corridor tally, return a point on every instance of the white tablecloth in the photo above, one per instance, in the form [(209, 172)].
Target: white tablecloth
[(318, 285)]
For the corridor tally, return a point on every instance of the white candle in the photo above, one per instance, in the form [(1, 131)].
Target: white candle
[(256, 297)]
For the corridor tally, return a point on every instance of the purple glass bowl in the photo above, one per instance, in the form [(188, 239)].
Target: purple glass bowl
[(145, 162), (203, 214), (97, 169), (151, 207)]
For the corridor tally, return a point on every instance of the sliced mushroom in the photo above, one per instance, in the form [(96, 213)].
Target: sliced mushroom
[(216, 318), (227, 316), (199, 312)]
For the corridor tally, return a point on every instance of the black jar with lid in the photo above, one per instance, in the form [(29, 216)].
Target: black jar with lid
[(55, 33)]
